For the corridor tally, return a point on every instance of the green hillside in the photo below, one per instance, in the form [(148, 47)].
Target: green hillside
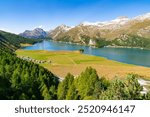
[(132, 41), (20, 79), (8, 39)]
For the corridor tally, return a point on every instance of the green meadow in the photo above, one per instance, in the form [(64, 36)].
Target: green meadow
[(74, 62)]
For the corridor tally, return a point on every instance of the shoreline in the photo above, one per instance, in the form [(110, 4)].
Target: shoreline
[(126, 47), (108, 46)]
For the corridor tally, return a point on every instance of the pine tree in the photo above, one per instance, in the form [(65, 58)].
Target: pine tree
[(86, 82), (72, 93), (64, 86)]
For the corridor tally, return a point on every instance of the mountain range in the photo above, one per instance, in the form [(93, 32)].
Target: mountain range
[(119, 31)]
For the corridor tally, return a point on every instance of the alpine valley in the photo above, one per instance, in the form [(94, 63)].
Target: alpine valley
[(72, 74)]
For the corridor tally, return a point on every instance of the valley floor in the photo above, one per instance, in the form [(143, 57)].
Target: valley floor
[(62, 62)]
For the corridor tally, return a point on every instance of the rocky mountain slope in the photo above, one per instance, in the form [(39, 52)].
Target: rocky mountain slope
[(120, 28), (36, 33)]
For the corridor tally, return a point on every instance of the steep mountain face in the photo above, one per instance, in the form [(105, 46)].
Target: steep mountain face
[(109, 30), (36, 33), (59, 31)]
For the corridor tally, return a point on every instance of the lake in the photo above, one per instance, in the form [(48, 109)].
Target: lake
[(126, 55)]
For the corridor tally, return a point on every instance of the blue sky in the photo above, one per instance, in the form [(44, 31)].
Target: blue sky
[(19, 15)]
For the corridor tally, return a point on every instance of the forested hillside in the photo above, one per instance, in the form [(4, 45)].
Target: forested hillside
[(132, 41), (20, 79), (7, 39)]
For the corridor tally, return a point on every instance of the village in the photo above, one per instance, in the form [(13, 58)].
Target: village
[(34, 60)]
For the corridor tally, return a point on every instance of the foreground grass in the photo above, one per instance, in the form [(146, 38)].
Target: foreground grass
[(63, 62)]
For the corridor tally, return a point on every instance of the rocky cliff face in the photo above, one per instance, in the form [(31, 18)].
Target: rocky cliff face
[(58, 31)]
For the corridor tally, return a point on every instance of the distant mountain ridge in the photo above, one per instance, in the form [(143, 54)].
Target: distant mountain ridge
[(120, 30), (117, 32), (36, 33), (139, 25)]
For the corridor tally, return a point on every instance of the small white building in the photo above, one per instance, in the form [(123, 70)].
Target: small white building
[(92, 42)]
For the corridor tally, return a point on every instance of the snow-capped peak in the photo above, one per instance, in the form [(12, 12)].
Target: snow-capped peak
[(64, 27), (85, 23), (121, 19), (117, 21), (91, 23), (143, 17)]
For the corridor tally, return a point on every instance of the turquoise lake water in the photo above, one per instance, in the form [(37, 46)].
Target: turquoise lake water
[(127, 55)]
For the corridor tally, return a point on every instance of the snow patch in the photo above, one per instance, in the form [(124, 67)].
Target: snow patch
[(116, 23), (65, 28), (143, 17)]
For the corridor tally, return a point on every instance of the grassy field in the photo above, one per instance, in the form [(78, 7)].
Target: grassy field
[(74, 62)]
